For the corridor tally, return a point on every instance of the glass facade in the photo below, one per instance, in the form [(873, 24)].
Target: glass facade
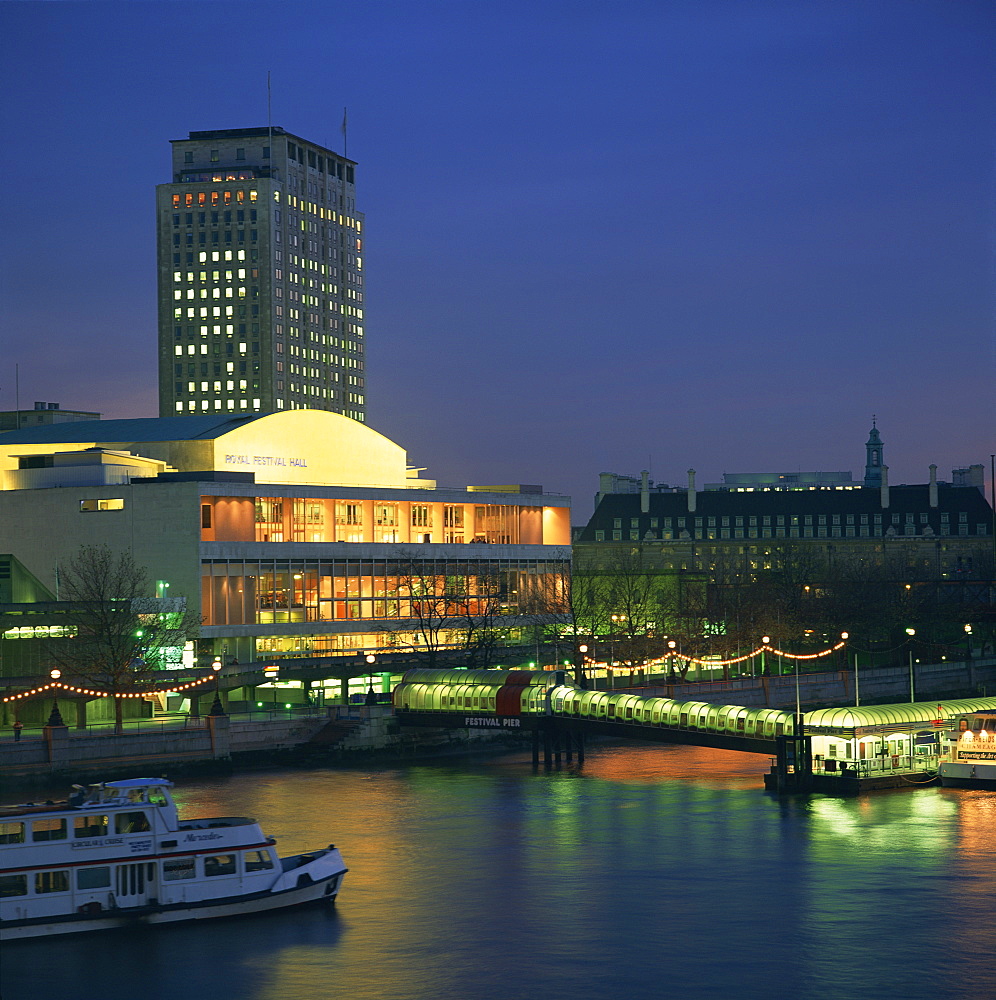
[(316, 519), (388, 591)]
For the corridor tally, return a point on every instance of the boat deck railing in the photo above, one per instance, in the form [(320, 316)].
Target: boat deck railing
[(876, 766)]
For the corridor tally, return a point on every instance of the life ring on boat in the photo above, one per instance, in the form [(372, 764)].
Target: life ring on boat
[(90, 909)]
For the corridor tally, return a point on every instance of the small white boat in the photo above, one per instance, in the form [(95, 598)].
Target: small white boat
[(970, 758), (116, 854)]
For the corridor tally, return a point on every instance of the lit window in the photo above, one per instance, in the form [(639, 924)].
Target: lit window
[(175, 869), (258, 861), (49, 829), (219, 864), (101, 504), (52, 881), (11, 833), (131, 822)]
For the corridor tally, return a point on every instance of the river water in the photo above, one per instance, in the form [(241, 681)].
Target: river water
[(647, 873)]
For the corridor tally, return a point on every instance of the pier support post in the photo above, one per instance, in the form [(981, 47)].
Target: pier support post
[(793, 764), (56, 736), (218, 727)]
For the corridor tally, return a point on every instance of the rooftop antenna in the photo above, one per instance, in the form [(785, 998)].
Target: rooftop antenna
[(269, 120), (17, 395), (345, 122)]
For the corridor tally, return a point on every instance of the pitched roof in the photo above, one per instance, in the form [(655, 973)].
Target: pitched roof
[(200, 426), (725, 503)]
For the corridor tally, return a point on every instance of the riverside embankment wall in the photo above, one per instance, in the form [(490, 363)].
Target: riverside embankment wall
[(83, 755)]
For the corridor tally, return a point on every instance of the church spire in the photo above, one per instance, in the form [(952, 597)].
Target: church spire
[(873, 457)]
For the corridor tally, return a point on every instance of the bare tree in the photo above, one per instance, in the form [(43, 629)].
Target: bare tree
[(480, 602), (422, 598), (123, 635), (564, 609)]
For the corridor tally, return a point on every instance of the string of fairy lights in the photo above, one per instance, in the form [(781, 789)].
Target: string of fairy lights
[(56, 685), (94, 693), (763, 648)]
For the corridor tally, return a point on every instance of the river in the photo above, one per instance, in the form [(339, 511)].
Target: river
[(648, 872)]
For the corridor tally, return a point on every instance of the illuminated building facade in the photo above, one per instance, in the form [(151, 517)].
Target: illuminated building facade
[(295, 533), (752, 523), (260, 263), (934, 532)]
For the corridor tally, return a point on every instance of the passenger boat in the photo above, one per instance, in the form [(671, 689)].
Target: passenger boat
[(116, 854), (970, 760)]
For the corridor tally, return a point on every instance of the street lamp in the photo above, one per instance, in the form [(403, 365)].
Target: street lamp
[(371, 697), (216, 707), (271, 672), (857, 691), (911, 632), (671, 645)]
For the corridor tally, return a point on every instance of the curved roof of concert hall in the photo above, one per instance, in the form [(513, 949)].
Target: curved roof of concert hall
[(289, 446)]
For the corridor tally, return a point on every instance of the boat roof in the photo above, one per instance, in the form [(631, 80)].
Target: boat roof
[(137, 783)]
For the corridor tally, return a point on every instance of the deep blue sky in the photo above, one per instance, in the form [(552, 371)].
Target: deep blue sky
[(601, 236)]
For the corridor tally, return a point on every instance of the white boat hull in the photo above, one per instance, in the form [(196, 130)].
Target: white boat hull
[(118, 855), (315, 882), (965, 774)]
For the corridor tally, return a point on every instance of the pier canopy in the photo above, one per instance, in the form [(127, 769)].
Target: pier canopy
[(874, 717)]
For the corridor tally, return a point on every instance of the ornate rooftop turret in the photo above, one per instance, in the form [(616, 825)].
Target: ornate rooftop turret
[(873, 457)]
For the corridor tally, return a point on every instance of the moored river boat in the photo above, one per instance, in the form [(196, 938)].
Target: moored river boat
[(116, 854), (970, 760)]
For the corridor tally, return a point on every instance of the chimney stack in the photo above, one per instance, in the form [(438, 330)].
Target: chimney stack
[(933, 485), (644, 492), (691, 491), (885, 487)]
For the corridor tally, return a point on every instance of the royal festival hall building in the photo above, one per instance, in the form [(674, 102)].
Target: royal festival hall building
[(296, 533)]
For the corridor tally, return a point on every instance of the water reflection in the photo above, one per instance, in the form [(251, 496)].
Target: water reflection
[(645, 872)]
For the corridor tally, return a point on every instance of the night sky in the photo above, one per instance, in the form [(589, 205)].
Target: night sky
[(601, 236)]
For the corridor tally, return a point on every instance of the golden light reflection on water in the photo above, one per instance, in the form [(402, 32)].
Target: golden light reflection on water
[(665, 762), (487, 878)]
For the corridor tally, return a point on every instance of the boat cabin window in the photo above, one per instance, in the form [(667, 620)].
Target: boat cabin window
[(175, 869), (93, 878), (13, 885), (134, 822), (157, 797), (11, 833), (90, 826), (49, 829), (52, 881), (256, 861), (219, 864)]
